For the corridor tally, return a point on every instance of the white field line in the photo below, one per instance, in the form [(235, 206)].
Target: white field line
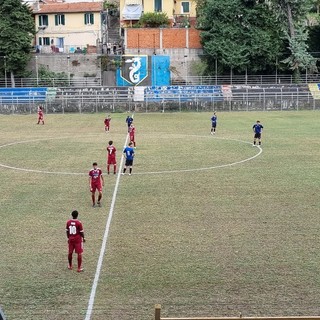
[(137, 173), (34, 170), (104, 241), (208, 168)]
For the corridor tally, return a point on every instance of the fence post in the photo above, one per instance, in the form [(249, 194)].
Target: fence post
[(157, 312)]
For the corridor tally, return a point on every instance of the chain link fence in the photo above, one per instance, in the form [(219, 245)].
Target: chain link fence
[(177, 99)]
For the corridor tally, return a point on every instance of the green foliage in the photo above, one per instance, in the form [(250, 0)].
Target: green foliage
[(313, 39), (110, 64), (233, 34), (294, 14), (17, 31), (199, 68), (154, 20), (110, 5), (50, 78), (89, 75), (299, 58)]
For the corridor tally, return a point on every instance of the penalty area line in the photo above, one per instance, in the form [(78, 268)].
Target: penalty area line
[(104, 241)]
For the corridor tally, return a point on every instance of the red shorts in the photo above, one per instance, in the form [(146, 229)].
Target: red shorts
[(131, 138), (112, 160), (96, 186), (75, 245)]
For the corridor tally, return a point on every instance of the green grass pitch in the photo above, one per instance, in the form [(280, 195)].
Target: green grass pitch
[(229, 238)]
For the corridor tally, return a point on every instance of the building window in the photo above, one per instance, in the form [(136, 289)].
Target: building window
[(158, 5), (185, 6), (44, 41), (88, 19), (59, 20), (43, 20)]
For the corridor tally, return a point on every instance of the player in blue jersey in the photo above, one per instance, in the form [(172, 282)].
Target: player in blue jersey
[(129, 155), (257, 129), (129, 121), (214, 123)]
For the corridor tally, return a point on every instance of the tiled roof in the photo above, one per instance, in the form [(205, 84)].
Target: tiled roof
[(63, 7)]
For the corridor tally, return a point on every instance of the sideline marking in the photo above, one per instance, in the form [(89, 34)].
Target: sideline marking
[(137, 173), (104, 242)]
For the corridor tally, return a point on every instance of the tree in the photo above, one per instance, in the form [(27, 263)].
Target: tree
[(294, 13), (17, 31), (240, 34)]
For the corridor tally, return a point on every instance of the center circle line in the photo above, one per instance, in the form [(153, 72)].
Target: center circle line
[(137, 173)]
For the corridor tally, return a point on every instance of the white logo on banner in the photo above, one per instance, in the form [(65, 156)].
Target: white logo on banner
[(134, 74)]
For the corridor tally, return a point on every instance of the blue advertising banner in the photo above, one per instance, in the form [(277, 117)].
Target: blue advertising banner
[(22, 95), (160, 72), (184, 93)]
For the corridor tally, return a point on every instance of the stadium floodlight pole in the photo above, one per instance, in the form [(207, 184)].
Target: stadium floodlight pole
[(5, 69), (37, 71), (68, 62), (276, 70), (186, 67)]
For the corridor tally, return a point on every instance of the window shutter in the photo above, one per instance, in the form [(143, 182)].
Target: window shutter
[(40, 24), (185, 6), (85, 18), (56, 20), (92, 18), (62, 20)]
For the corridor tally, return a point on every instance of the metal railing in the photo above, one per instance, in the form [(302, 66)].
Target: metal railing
[(188, 80), (123, 99)]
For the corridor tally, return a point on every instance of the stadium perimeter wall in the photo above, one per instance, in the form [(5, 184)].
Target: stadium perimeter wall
[(158, 99)]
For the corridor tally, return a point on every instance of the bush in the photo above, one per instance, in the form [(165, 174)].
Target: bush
[(154, 19)]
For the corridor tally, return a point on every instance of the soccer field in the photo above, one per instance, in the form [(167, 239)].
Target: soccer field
[(206, 225)]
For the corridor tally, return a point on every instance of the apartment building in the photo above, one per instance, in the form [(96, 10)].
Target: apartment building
[(67, 27), (182, 13)]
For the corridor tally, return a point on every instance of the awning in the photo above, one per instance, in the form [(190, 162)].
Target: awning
[(132, 2), (132, 12)]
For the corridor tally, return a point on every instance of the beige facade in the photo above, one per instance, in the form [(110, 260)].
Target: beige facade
[(176, 10), (67, 27)]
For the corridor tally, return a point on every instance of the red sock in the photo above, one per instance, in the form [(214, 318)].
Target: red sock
[(108, 168), (79, 261), (114, 168), (93, 198), (70, 259)]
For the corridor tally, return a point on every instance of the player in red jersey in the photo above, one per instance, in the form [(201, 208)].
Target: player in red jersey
[(132, 131), (40, 115), (107, 123), (76, 239), (111, 157), (96, 182)]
